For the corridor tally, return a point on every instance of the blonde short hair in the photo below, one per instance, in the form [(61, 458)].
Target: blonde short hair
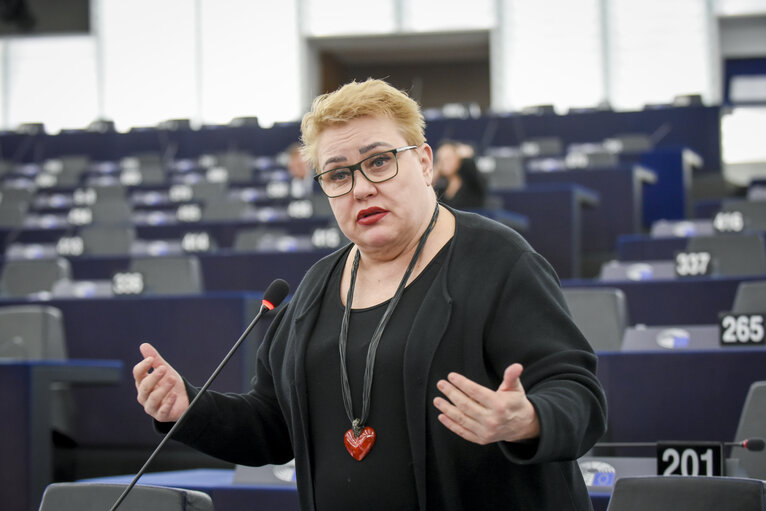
[(361, 99)]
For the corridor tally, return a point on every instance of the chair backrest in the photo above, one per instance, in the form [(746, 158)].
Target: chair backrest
[(100, 496), (752, 423), (8, 194), (733, 255), (676, 493), (233, 160), (24, 277), (223, 210), (208, 191), (507, 172), (170, 275), (32, 332), (753, 212), (36, 332), (600, 313), (12, 214), (320, 206), (750, 298), (107, 239), (258, 238), (112, 211), (74, 163)]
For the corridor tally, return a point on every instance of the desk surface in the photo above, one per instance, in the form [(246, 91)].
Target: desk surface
[(219, 484)]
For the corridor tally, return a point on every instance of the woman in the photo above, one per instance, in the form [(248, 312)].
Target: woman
[(457, 179), (470, 388)]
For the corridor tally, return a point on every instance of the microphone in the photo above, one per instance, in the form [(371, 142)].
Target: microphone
[(751, 444), (275, 293)]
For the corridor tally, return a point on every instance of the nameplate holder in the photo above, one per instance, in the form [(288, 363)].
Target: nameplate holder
[(741, 329), (693, 264), (690, 458), (126, 283)]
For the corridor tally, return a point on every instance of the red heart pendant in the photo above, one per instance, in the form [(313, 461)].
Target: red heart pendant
[(359, 446)]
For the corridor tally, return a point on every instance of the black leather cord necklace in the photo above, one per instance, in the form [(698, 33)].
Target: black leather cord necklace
[(360, 438)]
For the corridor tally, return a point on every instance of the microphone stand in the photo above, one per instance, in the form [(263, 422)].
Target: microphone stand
[(181, 419)]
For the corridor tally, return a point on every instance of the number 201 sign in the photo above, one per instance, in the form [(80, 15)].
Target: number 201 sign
[(689, 458)]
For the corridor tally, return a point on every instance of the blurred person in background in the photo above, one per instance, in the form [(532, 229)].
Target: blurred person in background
[(457, 180)]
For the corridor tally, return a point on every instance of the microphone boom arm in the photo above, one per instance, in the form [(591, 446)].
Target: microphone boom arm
[(272, 298)]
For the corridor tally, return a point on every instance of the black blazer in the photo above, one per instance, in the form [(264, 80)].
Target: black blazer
[(494, 302)]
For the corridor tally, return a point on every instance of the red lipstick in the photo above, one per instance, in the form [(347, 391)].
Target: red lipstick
[(370, 216)]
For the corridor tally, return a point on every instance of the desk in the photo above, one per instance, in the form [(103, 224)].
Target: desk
[(697, 127), (639, 247), (223, 233), (25, 431), (192, 332), (691, 300), (555, 214), (671, 197), (688, 395), (620, 209), (228, 496), (221, 271)]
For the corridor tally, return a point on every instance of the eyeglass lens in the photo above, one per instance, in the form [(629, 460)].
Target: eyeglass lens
[(376, 168)]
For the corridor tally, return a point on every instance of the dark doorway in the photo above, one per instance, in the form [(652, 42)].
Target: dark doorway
[(434, 69)]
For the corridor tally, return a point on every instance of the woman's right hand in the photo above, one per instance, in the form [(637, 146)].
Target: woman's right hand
[(161, 390)]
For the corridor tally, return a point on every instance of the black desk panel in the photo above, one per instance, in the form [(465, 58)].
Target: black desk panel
[(664, 395), (221, 271), (223, 233), (640, 247), (25, 430), (620, 209), (193, 333), (692, 301), (554, 212)]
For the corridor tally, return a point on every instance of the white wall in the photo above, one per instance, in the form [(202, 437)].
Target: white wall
[(550, 52), (211, 60), (149, 61), (51, 79)]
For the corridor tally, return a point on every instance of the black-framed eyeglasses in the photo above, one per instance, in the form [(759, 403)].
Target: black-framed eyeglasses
[(376, 168)]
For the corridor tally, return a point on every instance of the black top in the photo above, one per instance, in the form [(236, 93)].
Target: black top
[(493, 302), (384, 479)]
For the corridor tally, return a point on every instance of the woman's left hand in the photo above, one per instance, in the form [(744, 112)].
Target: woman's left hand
[(484, 416)]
